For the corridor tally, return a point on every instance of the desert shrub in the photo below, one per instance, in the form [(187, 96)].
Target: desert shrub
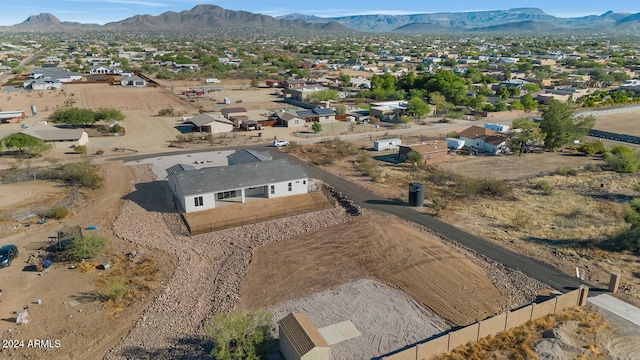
[(99, 152), (117, 128), (521, 220), (58, 212), (494, 187), (567, 171), (416, 158), (467, 187), (87, 247), (83, 173), (593, 167), (439, 204), (545, 187), (167, 112), (81, 149), (239, 335), (367, 166), (453, 134), (623, 159), (115, 288), (593, 148)]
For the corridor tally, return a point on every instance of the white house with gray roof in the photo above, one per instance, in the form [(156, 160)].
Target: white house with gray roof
[(206, 188)]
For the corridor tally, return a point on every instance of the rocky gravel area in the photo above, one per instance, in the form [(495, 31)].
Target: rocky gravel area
[(211, 269)]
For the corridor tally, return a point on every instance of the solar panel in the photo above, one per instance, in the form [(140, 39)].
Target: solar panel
[(321, 111)]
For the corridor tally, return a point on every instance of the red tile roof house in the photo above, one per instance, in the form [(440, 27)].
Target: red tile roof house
[(431, 153), (479, 139)]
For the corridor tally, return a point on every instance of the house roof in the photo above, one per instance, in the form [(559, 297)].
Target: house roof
[(246, 156), (221, 178), (427, 148), (50, 133), (286, 116), (206, 119), (476, 132), (54, 72), (232, 110), (495, 139), (301, 332), (179, 168), (315, 112)]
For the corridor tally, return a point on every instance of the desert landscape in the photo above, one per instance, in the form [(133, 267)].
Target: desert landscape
[(328, 257)]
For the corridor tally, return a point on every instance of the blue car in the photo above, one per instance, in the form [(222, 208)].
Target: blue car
[(7, 254)]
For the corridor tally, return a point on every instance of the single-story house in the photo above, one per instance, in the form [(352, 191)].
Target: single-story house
[(43, 84), (202, 189), (301, 93), (294, 83), (274, 83), (55, 73), (105, 70), (133, 81), (433, 153), (388, 110), (322, 115), (212, 124), (481, 139), (57, 136), (246, 156), (233, 112), (301, 340), (290, 120)]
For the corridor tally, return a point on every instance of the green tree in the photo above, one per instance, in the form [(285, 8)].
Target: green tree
[(341, 109), (501, 106), (416, 158), (324, 95), (345, 79), (24, 144), (447, 83), (531, 87), (623, 159), (239, 335), (417, 107), (73, 116), (561, 126), (440, 102), (405, 120), (525, 131), (528, 103), (516, 105), (109, 115), (503, 92), (316, 126)]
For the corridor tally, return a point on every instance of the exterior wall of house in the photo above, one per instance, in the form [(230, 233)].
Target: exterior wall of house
[(281, 189), (326, 118), (218, 127), (295, 123), (435, 157)]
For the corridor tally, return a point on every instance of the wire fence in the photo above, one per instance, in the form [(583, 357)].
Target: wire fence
[(253, 219)]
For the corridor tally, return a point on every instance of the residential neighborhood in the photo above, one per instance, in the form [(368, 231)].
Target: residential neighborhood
[(209, 181)]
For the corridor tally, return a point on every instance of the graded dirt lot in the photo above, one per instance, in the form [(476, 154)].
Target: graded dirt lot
[(381, 247)]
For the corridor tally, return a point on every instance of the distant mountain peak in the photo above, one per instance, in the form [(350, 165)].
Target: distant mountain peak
[(42, 19), (527, 10)]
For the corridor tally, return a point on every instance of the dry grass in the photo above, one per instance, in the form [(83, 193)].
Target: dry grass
[(130, 279), (518, 343)]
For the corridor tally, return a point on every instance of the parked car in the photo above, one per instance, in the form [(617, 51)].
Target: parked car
[(7, 254), (278, 143)]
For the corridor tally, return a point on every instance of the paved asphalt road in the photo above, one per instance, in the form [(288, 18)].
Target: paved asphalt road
[(366, 199)]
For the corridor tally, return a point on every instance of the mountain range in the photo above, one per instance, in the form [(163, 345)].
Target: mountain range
[(212, 17)]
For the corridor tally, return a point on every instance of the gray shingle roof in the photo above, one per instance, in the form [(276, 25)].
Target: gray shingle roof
[(206, 118), (233, 177), (246, 156)]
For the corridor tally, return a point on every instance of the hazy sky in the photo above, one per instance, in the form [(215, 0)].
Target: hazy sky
[(103, 11)]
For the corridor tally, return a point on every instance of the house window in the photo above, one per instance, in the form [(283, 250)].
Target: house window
[(198, 201), (290, 187), (273, 189)]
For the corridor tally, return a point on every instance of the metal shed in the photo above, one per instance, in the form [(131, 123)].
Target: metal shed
[(301, 340)]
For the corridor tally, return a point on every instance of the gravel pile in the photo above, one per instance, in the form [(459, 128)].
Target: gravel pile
[(211, 269)]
